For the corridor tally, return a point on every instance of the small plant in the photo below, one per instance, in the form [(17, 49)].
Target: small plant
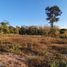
[(53, 64), (43, 53), (15, 48)]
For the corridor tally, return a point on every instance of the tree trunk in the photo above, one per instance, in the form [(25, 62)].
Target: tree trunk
[(51, 25), (52, 29)]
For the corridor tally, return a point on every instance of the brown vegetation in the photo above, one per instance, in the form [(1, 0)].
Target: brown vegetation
[(32, 51)]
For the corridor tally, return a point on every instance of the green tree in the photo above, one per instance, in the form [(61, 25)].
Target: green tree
[(52, 15), (4, 28), (17, 29), (11, 29), (23, 30)]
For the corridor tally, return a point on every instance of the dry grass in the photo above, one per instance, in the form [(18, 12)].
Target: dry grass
[(32, 51)]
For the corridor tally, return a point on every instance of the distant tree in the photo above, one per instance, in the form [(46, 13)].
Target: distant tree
[(23, 30), (33, 30), (12, 29), (52, 14), (17, 29), (4, 23), (4, 28)]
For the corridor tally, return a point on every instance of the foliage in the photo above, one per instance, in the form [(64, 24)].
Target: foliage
[(52, 13), (5, 28)]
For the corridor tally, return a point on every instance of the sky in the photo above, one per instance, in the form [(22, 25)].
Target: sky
[(31, 12)]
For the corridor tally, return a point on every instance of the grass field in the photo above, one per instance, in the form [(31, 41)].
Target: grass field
[(32, 51)]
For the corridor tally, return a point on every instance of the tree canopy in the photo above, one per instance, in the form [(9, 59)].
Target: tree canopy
[(52, 14)]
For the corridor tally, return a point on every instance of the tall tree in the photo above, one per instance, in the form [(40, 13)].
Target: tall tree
[(52, 14)]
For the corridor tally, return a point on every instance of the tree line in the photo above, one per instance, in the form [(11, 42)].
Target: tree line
[(5, 28)]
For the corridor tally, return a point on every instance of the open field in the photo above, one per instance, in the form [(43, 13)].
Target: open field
[(32, 51)]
